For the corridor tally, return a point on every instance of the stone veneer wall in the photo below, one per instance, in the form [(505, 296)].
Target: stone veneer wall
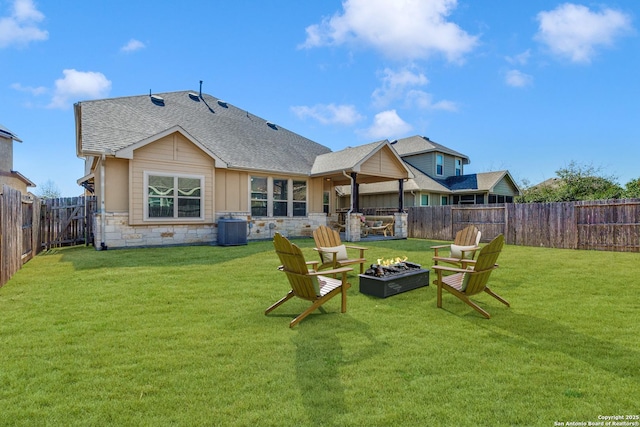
[(401, 225), (118, 234)]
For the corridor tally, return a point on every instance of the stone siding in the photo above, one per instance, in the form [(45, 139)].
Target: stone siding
[(119, 234)]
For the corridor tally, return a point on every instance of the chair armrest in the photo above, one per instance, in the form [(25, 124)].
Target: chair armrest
[(450, 269), (357, 247), (332, 271), (440, 246)]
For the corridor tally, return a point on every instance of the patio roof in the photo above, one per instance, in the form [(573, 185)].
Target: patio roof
[(374, 162)]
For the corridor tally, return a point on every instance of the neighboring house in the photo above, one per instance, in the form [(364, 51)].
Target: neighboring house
[(439, 179), (8, 176), (167, 168)]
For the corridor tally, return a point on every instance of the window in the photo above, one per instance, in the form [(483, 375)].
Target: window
[(424, 200), (439, 164), (458, 167), (325, 202), (258, 196), (277, 197), (496, 198), (280, 197), (444, 200), (299, 198), (172, 197)]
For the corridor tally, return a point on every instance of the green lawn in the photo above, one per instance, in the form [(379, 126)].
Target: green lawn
[(178, 337)]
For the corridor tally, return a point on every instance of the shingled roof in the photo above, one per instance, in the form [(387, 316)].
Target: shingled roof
[(240, 139), (421, 144)]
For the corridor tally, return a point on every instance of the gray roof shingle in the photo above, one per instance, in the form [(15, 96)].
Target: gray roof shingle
[(237, 137), (421, 144)]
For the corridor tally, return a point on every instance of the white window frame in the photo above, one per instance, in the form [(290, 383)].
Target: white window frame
[(175, 217), (458, 166), (440, 156)]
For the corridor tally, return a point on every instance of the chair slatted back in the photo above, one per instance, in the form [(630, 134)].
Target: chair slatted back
[(468, 236), (326, 237), (484, 265), (295, 267)]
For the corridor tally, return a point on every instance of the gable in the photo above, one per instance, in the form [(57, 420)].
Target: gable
[(384, 163), (173, 148)]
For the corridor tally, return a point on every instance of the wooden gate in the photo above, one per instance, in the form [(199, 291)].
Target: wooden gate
[(67, 221)]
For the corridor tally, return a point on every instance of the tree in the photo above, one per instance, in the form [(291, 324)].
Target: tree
[(574, 182), (48, 190), (632, 189)]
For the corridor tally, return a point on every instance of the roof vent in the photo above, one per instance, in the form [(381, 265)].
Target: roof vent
[(393, 142), (158, 100), (222, 103), (272, 125), (194, 96)]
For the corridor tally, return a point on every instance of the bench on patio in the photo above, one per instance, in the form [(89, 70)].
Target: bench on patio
[(379, 224)]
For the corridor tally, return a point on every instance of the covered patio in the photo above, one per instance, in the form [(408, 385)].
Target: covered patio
[(370, 163)]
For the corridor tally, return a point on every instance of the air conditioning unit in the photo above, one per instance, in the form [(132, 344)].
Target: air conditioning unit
[(232, 232)]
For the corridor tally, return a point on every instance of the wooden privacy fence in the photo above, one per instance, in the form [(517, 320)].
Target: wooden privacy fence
[(612, 225), (29, 225)]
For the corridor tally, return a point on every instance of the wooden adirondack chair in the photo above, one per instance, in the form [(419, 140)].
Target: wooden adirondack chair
[(464, 283), (305, 283), (332, 252), (463, 248)]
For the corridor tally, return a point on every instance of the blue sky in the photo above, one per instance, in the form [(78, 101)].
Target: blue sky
[(528, 86)]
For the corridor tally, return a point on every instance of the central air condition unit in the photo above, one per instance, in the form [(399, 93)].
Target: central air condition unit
[(232, 232)]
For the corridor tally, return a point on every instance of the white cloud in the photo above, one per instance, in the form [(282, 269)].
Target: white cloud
[(79, 84), (401, 29), (387, 124), (133, 45), (424, 101), (29, 89), (517, 78), (328, 114), (401, 85), (573, 31), (520, 59), (395, 84), (21, 27)]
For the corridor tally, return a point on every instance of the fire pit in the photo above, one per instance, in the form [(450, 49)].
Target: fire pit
[(391, 277)]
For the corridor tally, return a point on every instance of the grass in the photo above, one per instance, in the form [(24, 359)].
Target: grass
[(178, 336)]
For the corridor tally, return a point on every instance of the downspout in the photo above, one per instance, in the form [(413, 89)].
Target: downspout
[(347, 227), (103, 227)]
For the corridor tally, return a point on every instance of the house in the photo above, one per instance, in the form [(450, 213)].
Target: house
[(8, 176), (439, 179), (169, 168)]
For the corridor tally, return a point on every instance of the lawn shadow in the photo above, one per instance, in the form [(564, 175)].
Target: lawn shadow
[(83, 258), (320, 356), (537, 333)]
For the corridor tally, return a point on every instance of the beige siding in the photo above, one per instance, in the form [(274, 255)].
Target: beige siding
[(383, 163), (176, 155), (232, 191), (12, 182), (117, 182), (6, 154), (315, 188)]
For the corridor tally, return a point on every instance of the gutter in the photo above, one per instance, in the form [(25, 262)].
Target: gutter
[(103, 227)]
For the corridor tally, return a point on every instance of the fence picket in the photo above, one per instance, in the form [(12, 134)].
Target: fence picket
[(612, 225)]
